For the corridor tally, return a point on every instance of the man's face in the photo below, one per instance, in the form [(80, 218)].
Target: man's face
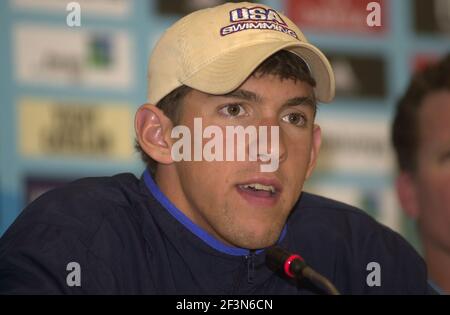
[(214, 194), (433, 174)]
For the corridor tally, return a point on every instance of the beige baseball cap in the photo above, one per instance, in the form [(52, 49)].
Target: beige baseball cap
[(215, 50)]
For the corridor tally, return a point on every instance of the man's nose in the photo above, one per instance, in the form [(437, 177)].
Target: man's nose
[(272, 144)]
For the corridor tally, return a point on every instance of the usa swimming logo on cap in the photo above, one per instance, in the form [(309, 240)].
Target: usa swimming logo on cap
[(256, 18)]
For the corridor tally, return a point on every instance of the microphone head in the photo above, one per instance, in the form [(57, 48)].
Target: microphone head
[(284, 262), (292, 265)]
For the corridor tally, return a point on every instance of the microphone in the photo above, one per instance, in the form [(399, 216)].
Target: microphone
[(294, 266)]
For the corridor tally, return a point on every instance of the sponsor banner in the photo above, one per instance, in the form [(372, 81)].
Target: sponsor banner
[(421, 61), (359, 76), (355, 145), (116, 8), (73, 129), (380, 203), (432, 17), (36, 186), (62, 56), (183, 7), (345, 16)]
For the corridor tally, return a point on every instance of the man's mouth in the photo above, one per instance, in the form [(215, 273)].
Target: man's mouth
[(260, 192), (260, 188)]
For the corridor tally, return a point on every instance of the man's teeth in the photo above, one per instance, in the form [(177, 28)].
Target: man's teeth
[(257, 186)]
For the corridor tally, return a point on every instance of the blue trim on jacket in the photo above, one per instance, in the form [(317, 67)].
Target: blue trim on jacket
[(435, 287), (191, 226)]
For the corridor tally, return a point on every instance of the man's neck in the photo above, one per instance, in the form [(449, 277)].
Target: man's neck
[(169, 183), (438, 262)]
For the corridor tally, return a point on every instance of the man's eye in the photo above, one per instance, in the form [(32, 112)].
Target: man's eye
[(444, 157), (232, 110), (295, 119)]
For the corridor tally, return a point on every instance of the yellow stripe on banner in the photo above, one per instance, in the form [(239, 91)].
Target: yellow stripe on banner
[(69, 128)]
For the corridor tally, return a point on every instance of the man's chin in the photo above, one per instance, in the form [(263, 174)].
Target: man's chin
[(257, 241)]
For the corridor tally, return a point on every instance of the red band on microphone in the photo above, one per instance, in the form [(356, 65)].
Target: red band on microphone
[(287, 264)]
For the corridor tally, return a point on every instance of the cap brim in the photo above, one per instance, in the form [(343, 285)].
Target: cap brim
[(227, 72)]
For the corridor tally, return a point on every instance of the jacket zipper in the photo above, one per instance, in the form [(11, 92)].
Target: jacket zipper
[(250, 266)]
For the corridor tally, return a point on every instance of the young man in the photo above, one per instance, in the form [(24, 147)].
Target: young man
[(200, 219), (421, 138)]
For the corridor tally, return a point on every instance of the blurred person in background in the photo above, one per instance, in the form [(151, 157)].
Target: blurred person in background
[(421, 139)]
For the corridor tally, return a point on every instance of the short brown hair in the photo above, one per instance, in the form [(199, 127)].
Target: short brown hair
[(405, 129), (283, 64)]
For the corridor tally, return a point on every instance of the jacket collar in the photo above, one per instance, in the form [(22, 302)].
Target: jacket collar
[(191, 226)]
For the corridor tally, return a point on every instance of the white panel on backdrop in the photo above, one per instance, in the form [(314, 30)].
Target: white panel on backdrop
[(114, 8), (355, 145), (380, 202), (63, 56)]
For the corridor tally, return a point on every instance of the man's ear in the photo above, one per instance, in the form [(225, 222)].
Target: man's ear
[(315, 148), (153, 130), (407, 194)]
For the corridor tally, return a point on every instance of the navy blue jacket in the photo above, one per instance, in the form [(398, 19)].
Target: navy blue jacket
[(128, 238)]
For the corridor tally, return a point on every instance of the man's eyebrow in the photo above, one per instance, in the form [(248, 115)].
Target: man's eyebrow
[(301, 100), (253, 97), (244, 95)]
